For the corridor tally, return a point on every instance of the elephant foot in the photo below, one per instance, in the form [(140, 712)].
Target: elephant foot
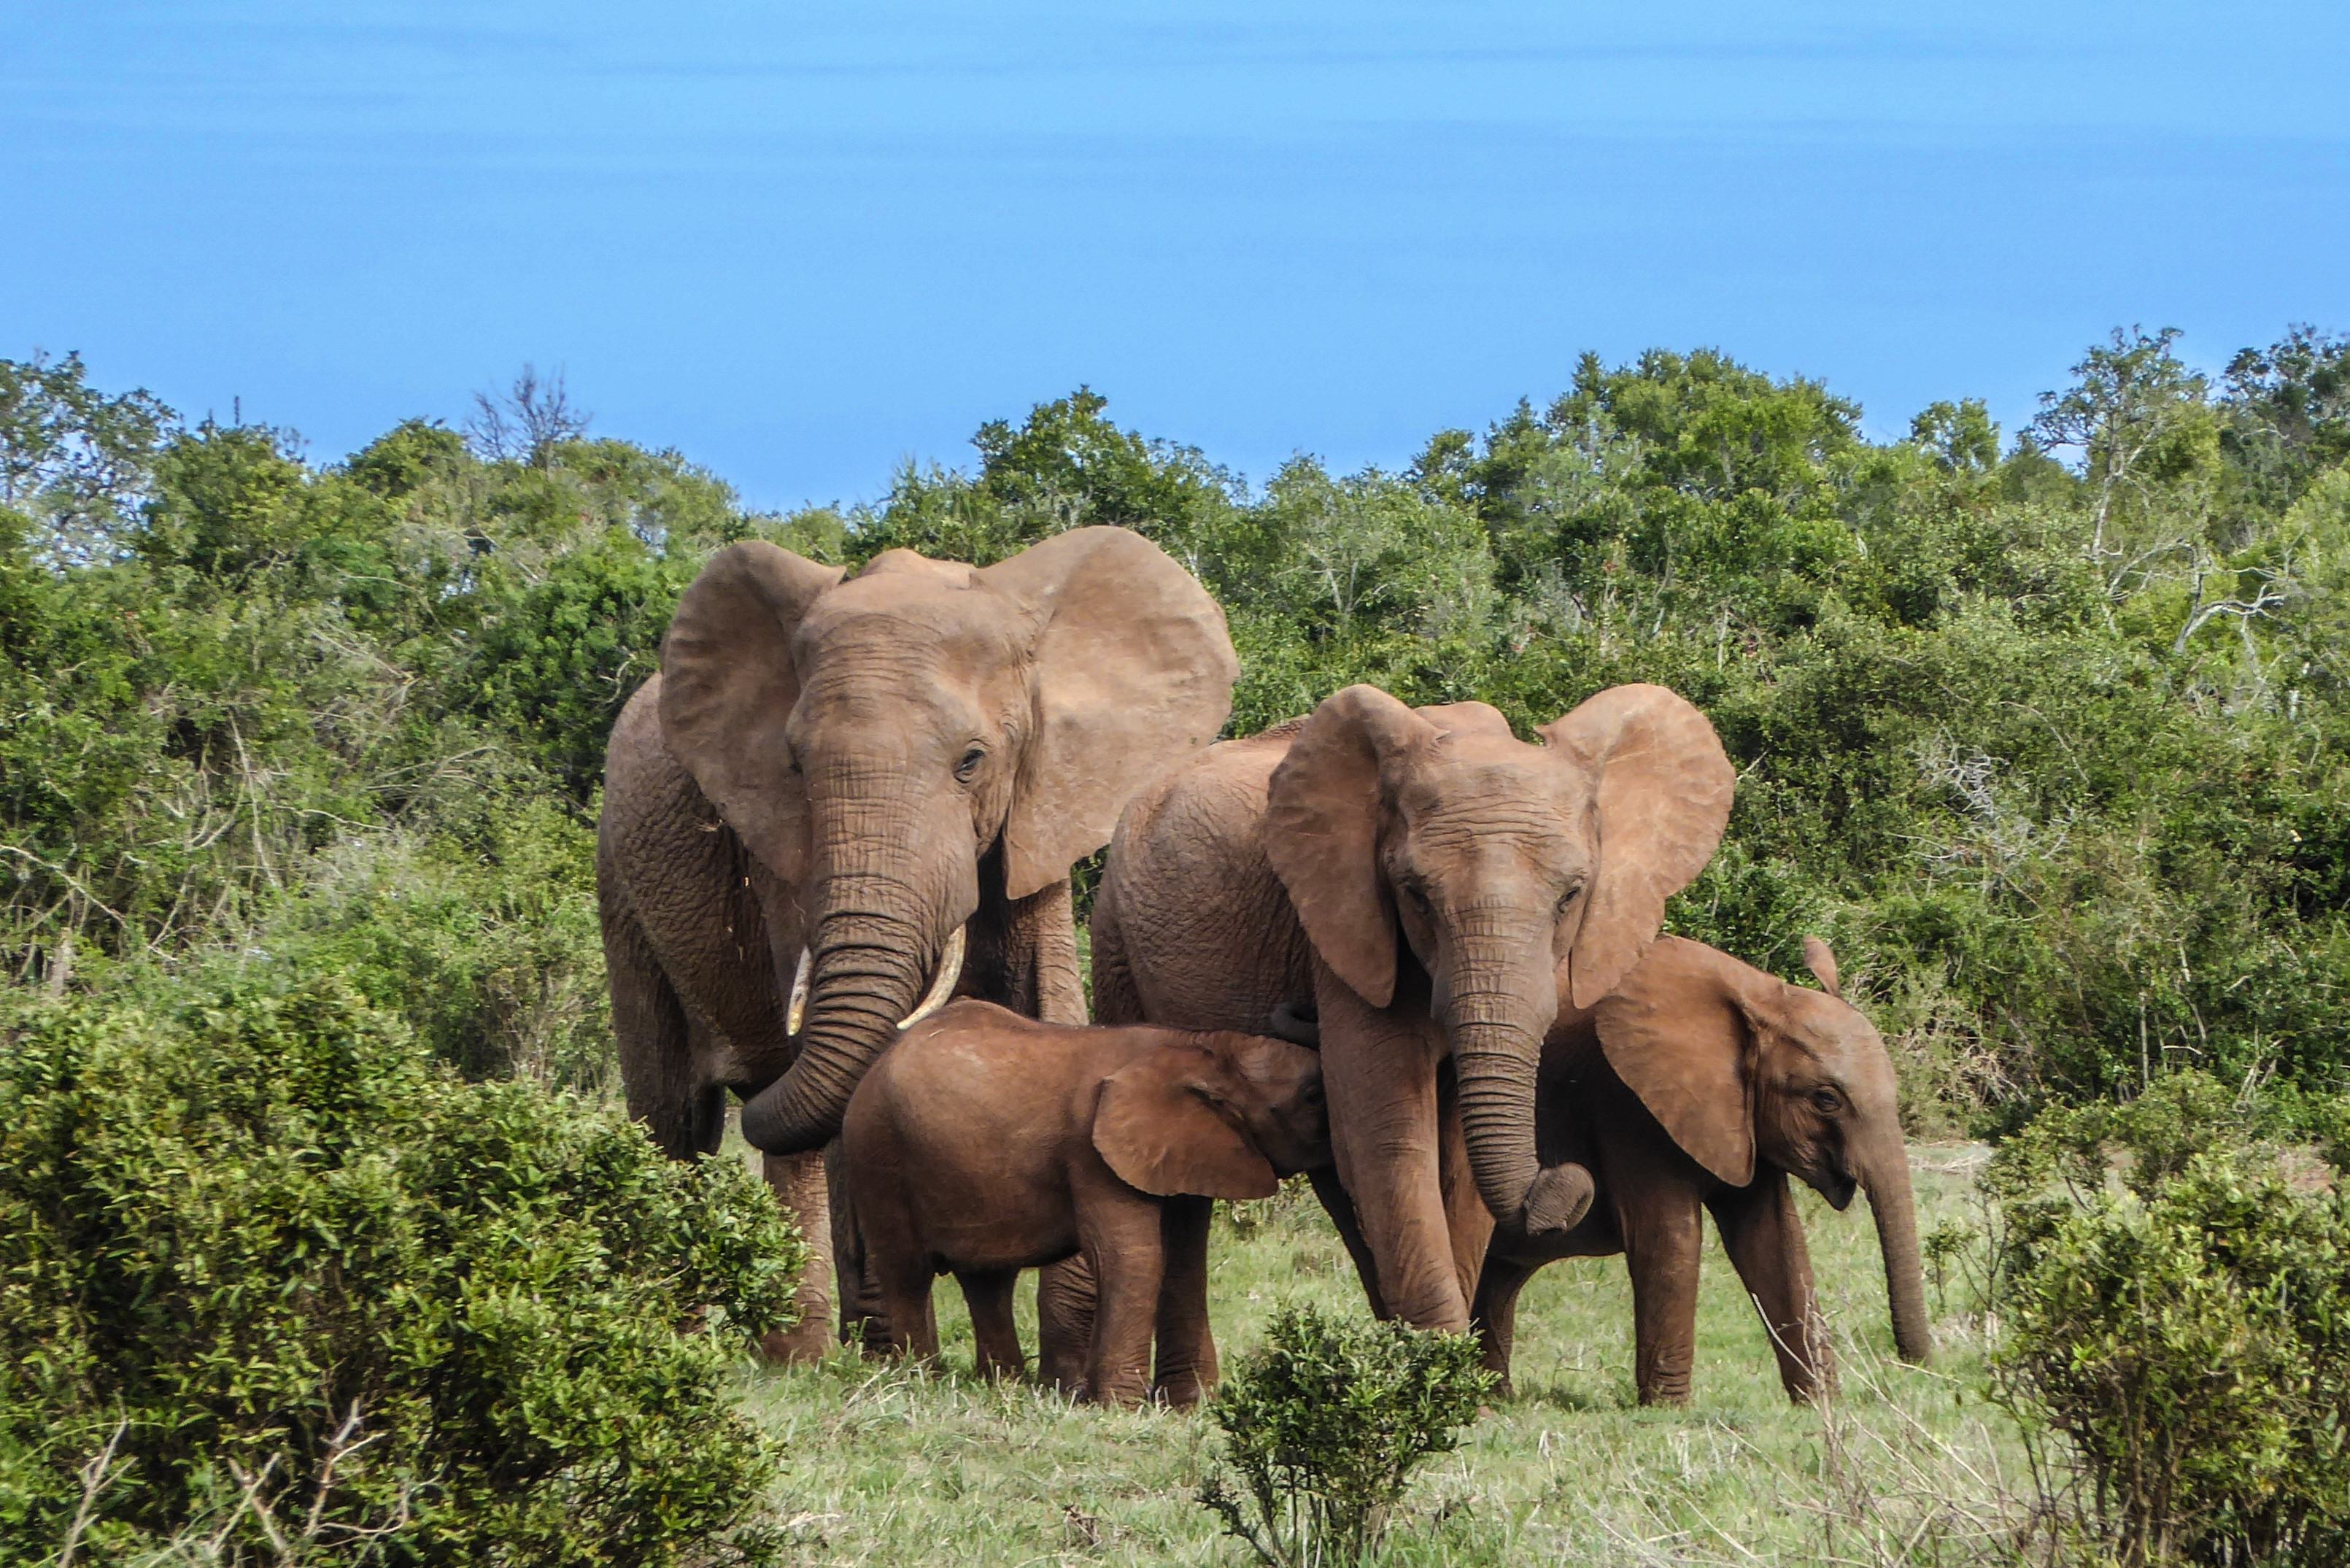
[(1557, 1202), (1180, 1393), (797, 1346), (1117, 1396)]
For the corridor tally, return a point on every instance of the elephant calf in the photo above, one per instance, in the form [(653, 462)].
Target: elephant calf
[(982, 1142), (1701, 1083)]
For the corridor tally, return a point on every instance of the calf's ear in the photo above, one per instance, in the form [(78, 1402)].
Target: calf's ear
[(1159, 1125)]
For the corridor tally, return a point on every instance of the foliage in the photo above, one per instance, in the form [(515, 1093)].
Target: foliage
[(2045, 733), (2176, 1288), (257, 1250), (1324, 1425)]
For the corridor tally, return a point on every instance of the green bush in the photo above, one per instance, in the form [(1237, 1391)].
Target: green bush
[(1324, 1425), (2176, 1289), (485, 942), (269, 1270)]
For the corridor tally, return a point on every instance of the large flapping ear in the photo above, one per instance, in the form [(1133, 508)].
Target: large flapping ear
[(1322, 833), (1820, 959), (1661, 793), (1158, 1127), (1676, 1030), (1134, 674), (728, 686)]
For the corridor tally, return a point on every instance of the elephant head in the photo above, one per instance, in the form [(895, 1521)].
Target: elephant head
[(872, 740), (1739, 1067), (1512, 872), (1219, 1115)]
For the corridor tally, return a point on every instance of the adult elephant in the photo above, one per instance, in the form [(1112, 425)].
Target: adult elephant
[(1702, 1084), (844, 799), (1426, 886)]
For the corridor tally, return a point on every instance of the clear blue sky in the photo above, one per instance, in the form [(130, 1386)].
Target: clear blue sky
[(803, 242)]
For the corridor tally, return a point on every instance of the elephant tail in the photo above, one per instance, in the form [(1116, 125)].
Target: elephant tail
[(1115, 998)]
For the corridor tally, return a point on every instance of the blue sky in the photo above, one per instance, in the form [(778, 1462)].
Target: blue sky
[(802, 243)]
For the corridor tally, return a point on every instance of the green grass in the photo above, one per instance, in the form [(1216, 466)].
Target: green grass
[(887, 1464)]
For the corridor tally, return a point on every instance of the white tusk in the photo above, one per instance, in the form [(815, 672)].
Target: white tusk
[(798, 1013), (949, 970)]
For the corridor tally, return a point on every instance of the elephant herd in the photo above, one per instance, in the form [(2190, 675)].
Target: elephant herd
[(1398, 949)]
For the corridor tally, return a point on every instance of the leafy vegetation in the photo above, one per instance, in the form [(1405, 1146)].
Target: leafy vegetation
[(2046, 731), (268, 1271), (299, 768), (885, 1466), (1324, 1425), (2176, 1284)]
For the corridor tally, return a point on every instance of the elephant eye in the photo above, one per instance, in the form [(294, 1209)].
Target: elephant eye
[(1827, 1101), (970, 763), (1417, 894)]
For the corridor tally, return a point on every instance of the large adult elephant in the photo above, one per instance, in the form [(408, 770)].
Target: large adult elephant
[(1427, 886), (1701, 1083), (842, 794)]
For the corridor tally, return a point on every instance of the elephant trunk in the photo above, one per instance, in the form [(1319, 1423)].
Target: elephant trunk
[(867, 968), (1886, 1177), (1497, 1026)]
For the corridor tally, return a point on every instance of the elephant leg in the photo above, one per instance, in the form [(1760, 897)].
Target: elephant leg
[(988, 1293), (1043, 940), (1466, 1218), (1378, 1073), (1765, 1238), (1496, 1314), (1349, 1225), (863, 1321), (904, 1287), (685, 1116), (798, 1180), (1663, 1239), (1121, 1239), (1065, 1322), (1023, 951), (1187, 1347)]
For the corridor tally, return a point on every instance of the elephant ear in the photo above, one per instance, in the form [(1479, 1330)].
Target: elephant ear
[(1679, 1033), (1134, 672), (1157, 1125), (1660, 795), (1322, 833), (728, 686), (1820, 959)]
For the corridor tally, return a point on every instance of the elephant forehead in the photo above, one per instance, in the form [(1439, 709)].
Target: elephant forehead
[(901, 564), (1461, 777), (1841, 1039), (921, 620)]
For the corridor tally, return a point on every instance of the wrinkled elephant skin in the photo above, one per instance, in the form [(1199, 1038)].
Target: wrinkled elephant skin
[(983, 1143), (1427, 886), (857, 769)]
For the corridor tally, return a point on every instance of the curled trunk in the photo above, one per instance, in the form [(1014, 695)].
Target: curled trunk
[(868, 970), (1886, 1179), (1497, 1025)]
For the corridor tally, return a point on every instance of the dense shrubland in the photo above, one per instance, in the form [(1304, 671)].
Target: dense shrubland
[(272, 1280), (2044, 729), (2173, 1274)]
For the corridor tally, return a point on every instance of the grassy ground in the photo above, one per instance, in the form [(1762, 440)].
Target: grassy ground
[(888, 1465)]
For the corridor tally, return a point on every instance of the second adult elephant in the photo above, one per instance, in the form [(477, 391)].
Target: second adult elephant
[(1704, 1084), (1427, 885), (842, 793)]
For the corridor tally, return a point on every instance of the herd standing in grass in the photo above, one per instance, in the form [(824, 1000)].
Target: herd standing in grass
[(845, 801)]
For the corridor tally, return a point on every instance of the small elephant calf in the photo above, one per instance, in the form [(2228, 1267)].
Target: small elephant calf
[(983, 1143), (1702, 1083)]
